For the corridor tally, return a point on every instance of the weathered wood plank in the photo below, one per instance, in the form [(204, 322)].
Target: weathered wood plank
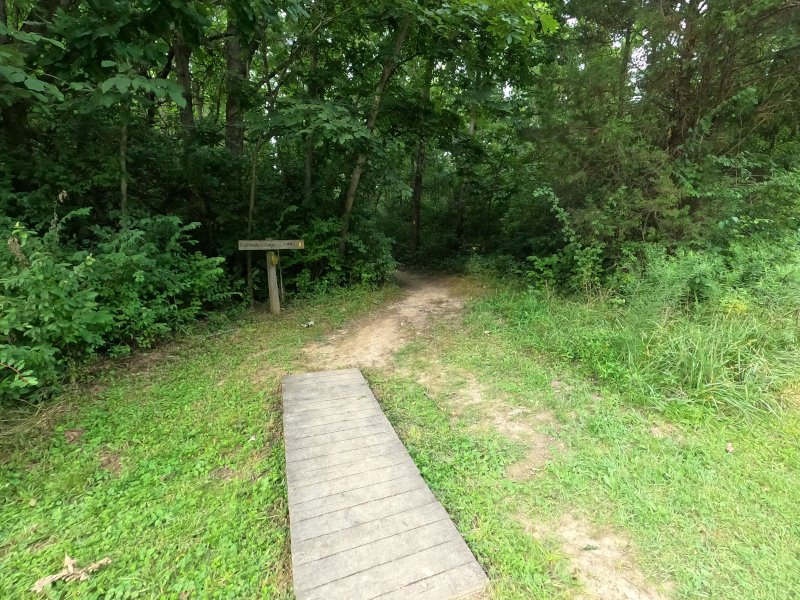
[(333, 419), (393, 575), (385, 459), (363, 522), (271, 244), (334, 436), (373, 554), (319, 376), (307, 408), (330, 448), (442, 585), (323, 546), (317, 379), (359, 496), (348, 483), (336, 389)]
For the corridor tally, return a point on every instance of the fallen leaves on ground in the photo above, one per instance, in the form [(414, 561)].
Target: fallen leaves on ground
[(70, 572)]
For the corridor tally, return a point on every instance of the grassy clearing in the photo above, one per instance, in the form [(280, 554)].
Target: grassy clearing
[(172, 467), (705, 522), (465, 470), (658, 353)]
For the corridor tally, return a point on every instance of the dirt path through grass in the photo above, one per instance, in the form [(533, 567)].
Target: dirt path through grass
[(433, 305), (374, 341), (172, 464)]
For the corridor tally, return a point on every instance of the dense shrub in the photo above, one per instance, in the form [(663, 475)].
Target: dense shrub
[(150, 280), (59, 305), (319, 266), (49, 314)]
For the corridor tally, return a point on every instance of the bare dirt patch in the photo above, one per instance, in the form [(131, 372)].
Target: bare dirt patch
[(25, 424), (372, 343), (559, 386), (541, 446), (40, 545), (73, 436), (474, 400), (223, 473), (110, 461), (601, 560), (667, 431)]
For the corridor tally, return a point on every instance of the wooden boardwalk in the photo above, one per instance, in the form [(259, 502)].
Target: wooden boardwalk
[(363, 522)]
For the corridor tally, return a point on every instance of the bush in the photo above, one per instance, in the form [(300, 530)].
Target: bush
[(59, 306), (49, 315), (368, 259), (151, 282)]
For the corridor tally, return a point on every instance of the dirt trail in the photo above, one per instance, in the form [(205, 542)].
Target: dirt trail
[(601, 560), (373, 343)]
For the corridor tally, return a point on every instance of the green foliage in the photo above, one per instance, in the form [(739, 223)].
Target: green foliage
[(59, 306), (368, 261), (495, 265), (465, 468), (660, 479), (692, 330), (633, 145), (151, 281), (49, 315), (183, 452), (17, 80)]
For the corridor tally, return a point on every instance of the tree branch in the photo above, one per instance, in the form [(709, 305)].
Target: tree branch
[(300, 45)]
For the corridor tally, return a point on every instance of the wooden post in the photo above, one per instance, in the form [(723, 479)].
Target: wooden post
[(272, 261), (272, 279)]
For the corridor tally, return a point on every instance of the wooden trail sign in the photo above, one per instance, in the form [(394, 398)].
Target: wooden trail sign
[(272, 261), (271, 245)]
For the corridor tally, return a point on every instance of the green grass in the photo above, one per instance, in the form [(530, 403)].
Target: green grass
[(178, 475), (714, 524), (465, 470), (661, 355)]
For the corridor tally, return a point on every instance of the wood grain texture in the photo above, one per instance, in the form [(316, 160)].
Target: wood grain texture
[(364, 524)]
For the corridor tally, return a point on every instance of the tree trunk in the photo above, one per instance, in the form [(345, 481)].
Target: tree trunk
[(123, 158), (622, 100), (308, 183), (217, 103), (416, 196), (199, 102), (235, 76), (684, 100), (4, 39), (151, 96), (253, 172), (419, 167), (461, 196), (313, 94), (14, 117), (184, 76), (388, 68)]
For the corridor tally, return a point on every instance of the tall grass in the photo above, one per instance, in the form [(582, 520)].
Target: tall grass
[(682, 331)]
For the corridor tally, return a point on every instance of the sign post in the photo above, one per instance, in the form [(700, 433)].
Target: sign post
[(272, 262)]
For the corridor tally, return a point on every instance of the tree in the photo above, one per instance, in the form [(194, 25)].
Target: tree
[(398, 38)]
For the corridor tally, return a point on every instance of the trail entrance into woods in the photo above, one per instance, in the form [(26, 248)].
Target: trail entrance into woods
[(373, 342), (322, 543), (363, 522)]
